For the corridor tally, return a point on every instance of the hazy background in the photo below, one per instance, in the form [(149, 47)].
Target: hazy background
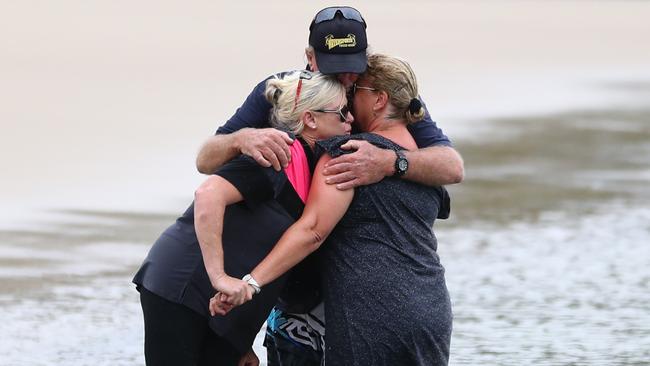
[(104, 104)]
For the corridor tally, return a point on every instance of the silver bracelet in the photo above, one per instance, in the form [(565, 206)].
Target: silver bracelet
[(252, 283)]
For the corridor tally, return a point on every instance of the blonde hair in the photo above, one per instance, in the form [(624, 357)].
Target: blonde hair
[(316, 92), (395, 77)]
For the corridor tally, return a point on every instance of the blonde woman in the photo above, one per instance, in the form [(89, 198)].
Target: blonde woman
[(237, 216)]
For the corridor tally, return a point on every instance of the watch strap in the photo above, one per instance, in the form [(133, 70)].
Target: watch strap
[(401, 163), (252, 283)]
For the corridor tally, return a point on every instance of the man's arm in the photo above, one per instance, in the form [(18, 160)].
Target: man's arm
[(433, 166), (268, 146), (436, 163)]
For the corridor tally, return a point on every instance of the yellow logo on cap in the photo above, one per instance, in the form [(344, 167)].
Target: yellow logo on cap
[(349, 41)]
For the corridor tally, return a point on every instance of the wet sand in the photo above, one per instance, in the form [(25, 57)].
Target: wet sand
[(574, 162)]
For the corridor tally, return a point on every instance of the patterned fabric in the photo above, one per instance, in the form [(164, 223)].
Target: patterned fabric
[(304, 330)]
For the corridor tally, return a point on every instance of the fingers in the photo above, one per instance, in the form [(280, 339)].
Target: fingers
[(276, 154), (283, 143), (338, 165), (352, 145), (218, 307), (269, 147), (232, 290), (286, 138), (349, 184), (345, 180), (344, 176), (259, 158), (361, 167), (341, 171)]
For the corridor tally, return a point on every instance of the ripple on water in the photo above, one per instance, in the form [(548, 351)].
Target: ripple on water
[(547, 257), (561, 292)]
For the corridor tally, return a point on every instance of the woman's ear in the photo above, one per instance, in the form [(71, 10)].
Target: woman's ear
[(308, 120), (382, 100)]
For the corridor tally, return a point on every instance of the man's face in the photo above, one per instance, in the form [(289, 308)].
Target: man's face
[(347, 79)]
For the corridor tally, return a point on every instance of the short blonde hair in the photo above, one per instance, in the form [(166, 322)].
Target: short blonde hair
[(395, 77), (316, 92)]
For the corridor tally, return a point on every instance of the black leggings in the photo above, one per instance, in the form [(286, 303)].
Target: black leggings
[(175, 335)]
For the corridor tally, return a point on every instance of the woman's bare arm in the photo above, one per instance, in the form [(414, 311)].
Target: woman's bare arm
[(325, 206), (210, 202)]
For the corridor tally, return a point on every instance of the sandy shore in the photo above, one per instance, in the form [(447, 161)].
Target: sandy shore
[(104, 101)]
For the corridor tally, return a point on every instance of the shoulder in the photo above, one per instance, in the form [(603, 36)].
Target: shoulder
[(256, 183), (332, 146), (258, 91), (254, 112)]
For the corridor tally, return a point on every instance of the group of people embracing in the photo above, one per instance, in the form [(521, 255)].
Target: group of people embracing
[(317, 218)]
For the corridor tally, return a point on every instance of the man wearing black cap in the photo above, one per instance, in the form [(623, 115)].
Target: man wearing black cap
[(338, 43), (337, 46)]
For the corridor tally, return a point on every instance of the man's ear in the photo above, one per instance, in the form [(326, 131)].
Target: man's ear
[(311, 59)]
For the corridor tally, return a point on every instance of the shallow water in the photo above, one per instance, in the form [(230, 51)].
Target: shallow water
[(546, 252), (547, 255)]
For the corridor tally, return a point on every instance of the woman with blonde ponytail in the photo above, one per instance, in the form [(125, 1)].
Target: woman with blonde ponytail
[(237, 216)]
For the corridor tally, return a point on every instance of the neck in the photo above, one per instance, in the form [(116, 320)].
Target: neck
[(382, 123), (309, 139), (392, 129)]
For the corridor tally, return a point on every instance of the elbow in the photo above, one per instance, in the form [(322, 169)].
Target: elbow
[(202, 164), (205, 202), (310, 234), (456, 169), (457, 175), (200, 208), (317, 239)]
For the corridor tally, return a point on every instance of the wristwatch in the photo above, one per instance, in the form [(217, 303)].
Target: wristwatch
[(401, 164), (252, 283)]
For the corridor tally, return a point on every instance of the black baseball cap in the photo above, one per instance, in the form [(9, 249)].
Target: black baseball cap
[(338, 36)]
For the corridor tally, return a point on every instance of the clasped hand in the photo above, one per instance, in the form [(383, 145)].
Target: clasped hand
[(231, 292), (368, 164)]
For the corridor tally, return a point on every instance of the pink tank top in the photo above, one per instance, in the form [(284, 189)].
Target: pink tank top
[(298, 170)]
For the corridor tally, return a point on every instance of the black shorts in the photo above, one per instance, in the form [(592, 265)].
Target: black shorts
[(281, 352), (175, 335)]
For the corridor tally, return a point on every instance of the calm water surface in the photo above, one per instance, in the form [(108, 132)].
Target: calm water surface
[(547, 255), (546, 252)]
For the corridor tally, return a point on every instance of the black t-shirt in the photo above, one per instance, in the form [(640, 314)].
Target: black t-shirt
[(174, 267)]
